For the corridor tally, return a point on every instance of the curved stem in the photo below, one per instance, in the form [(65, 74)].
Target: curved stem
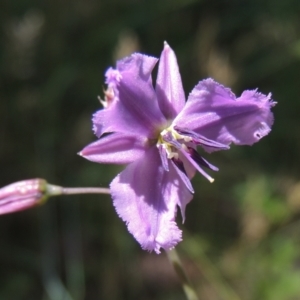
[(177, 265)]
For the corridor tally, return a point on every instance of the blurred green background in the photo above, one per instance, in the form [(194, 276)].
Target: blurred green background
[(242, 233)]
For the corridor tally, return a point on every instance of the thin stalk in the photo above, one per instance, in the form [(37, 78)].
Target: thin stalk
[(55, 190), (87, 190), (177, 265)]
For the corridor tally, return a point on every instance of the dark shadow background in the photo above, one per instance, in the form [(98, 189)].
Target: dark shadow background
[(241, 236)]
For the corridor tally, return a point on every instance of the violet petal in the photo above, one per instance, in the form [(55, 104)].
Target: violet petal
[(145, 197), (213, 111), (115, 148), (169, 88), (137, 108)]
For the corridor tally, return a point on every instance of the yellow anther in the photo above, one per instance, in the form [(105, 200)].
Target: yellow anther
[(171, 151)]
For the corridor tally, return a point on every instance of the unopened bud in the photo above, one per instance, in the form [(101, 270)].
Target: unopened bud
[(25, 194)]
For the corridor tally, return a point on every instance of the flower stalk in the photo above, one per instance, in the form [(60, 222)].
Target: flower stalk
[(81, 190), (177, 265)]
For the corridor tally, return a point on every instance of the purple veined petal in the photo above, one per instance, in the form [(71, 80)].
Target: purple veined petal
[(213, 112), (142, 65), (169, 88), (137, 108), (115, 148), (145, 197)]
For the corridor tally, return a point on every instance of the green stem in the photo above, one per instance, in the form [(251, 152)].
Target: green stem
[(177, 265), (55, 190), (87, 190)]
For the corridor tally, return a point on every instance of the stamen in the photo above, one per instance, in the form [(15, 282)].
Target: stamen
[(163, 156), (196, 166), (179, 167), (201, 140), (168, 137), (200, 160), (171, 142)]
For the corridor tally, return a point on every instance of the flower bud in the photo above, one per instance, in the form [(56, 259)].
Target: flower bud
[(23, 194)]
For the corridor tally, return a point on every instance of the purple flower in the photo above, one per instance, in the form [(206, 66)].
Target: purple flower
[(157, 132)]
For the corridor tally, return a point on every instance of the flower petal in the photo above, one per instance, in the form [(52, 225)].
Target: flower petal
[(140, 64), (213, 111), (145, 197), (169, 88), (136, 109), (115, 148)]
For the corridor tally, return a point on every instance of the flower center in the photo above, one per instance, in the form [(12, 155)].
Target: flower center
[(179, 146), (171, 141)]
